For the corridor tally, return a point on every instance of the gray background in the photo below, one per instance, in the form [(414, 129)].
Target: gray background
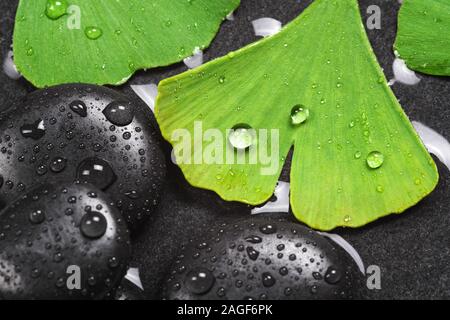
[(411, 249)]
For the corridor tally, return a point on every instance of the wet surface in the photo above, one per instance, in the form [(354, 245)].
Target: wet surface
[(412, 249)]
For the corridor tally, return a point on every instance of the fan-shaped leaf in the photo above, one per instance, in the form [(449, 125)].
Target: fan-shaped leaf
[(105, 42), (356, 157)]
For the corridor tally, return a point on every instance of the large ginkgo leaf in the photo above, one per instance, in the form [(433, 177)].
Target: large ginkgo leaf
[(318, 85), (423, 40), (105, 41)]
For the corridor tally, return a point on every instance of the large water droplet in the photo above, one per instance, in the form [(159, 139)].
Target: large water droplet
[(268, 280), (252, 253), (34, 130), (93, 225), (375, 159), (58, 164), (37, 216), (93, 33), (199, 281), (79, 107), (253, 239), (97, 172), (55, 9), (333, 276), (268, 229), (119, 113), (299, 114), (242, 136)]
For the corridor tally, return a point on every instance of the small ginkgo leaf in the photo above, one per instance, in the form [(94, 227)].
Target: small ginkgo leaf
[(317, 87), (423, 40), (105, 42)]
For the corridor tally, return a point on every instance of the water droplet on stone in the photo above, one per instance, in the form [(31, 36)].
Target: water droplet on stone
[(97, 172), (268, 280), (252, 253), (41, 169), (253, 239), (133, 194), (79, 107), (283, 271), (113, 262), (199, 281), (93, 225), (58, 164), (313, 290), (317, 276), (268, 229), (119, 113), (37, 217), (333, 276)]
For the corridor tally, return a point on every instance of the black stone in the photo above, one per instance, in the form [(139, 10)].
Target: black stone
[(408, 247), (41, 244), (60, 146), (217, 266)]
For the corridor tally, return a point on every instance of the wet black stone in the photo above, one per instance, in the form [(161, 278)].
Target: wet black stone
[(239, 274), (422, 230), (41, 248), (79, 147)]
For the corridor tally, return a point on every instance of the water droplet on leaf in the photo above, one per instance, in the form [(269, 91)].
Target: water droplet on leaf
[(375, 160), (93, 33), (241, 136), (55, 9), (299, 115)]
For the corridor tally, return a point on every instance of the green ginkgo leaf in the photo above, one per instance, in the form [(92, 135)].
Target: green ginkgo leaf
[(317, 85), (423, 40), (105, 41)]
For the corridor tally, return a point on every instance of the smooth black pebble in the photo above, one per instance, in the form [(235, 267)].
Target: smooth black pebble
[(86, 133), (61, 242), (258, 258)]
